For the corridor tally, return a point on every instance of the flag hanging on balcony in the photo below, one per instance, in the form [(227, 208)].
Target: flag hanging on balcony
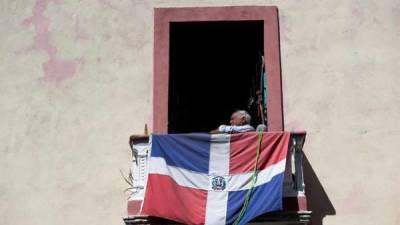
[(210, 178)]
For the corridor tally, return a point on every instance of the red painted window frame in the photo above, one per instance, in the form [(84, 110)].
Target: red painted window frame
[(162, 19)]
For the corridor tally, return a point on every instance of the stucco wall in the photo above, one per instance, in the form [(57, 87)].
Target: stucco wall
[(76, 81)]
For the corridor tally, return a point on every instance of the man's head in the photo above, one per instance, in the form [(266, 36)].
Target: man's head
[(240, 117)]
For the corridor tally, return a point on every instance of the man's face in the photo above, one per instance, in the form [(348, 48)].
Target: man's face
[(237, 120)]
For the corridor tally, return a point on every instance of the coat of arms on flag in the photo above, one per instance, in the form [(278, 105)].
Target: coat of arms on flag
[(215, 179)]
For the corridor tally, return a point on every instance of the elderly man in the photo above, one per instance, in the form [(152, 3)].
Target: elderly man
[(240, 122)]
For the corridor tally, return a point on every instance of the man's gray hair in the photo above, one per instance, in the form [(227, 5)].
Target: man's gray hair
[(245, 114)]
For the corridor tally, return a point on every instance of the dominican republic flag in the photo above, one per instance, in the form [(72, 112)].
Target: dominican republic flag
[(204, 178)]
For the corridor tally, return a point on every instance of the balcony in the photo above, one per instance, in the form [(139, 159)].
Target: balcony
[(294, 198)]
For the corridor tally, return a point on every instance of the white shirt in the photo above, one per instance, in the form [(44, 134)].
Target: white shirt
[(235, 129)]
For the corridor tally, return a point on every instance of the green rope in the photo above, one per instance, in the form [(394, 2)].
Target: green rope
[(253, 181), (265, 90)]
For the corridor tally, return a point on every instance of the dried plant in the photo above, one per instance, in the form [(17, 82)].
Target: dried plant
[(129, 180)]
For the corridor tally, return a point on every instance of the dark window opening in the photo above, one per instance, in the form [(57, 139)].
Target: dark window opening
[(214, 70)]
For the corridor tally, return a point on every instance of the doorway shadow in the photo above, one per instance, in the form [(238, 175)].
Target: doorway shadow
[(317, 199)]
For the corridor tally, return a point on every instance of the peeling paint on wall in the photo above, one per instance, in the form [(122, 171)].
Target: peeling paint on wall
[(54, 69)]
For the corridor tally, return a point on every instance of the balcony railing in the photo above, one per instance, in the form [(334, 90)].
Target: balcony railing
[(294, 198)]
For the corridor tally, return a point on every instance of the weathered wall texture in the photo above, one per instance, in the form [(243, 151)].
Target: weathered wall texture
[(76, 81)]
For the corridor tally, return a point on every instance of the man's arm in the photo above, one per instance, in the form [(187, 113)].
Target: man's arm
[(220, 129), (215, 131), (232, 129)]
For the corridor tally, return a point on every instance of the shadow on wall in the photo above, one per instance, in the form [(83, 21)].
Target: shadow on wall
[(317, 199)]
